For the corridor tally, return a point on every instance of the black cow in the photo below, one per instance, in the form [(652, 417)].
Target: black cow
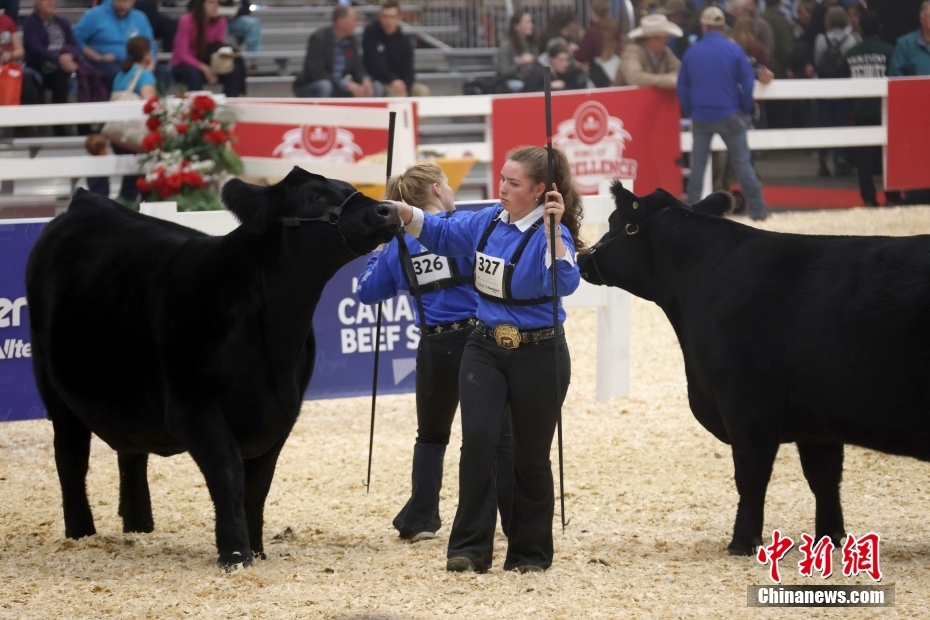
[(820, 341), (160, 339)]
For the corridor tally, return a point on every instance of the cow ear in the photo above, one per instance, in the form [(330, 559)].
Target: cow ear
[(622, 196), (249, 203), (718, 203)]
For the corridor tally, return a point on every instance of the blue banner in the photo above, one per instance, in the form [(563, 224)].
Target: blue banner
[(344, 328)]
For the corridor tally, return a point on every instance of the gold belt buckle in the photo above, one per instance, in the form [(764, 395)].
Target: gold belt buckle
[(507, 336)]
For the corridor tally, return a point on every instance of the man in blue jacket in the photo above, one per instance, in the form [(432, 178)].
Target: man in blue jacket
[(103, 31), (715, 85)]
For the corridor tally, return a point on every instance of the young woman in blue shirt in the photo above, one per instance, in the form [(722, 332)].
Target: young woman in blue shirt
[(446, 319), (510, 356)]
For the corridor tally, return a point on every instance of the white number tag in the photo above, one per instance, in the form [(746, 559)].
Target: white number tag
[(489, 275), (429, 268)]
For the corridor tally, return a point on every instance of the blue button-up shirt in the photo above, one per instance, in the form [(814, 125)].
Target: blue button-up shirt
[(532, 276)]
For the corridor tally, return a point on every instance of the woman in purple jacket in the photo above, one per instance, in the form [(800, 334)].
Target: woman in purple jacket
[(51, 49)]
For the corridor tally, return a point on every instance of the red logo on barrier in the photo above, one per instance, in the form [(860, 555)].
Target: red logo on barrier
[(591, 122), (318, 140)]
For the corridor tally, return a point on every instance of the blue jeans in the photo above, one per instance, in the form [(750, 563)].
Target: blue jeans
[(249, 29), (733, 132), (324, 89), (233, 83)]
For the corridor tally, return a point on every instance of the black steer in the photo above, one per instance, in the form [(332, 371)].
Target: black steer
[(160, 339), (820, 341)]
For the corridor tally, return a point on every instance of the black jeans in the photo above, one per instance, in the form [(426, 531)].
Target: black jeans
[(868, 160), (491, 377), (437, 400)]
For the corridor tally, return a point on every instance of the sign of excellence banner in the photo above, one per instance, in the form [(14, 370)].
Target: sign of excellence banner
[(631, 133)]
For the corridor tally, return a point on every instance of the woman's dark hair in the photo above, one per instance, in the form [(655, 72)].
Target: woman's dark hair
[(519, 43), (534, 161), (200, 25), (557, 21), (136, 49)]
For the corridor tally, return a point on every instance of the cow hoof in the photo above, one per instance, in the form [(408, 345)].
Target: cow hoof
[(139, 528), (235, 562), (259, 555), (81, 532), (741, 548)]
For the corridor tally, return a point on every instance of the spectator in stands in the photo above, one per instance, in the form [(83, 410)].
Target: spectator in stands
[(648, 60), (744, 37), (779, 112), (678, 13), (912, 57), (388, 54), (868, 59), (601, 45), (164, 27), (102, 33), (332, 66), (564, 75), (11, 41), (561, 28), (912, 51), (11, 8), (517, 53), (244, 26), (760, 27), (136, 69), (715, 86), (201, 32), (855, 11), (51, 52), (830, 49)]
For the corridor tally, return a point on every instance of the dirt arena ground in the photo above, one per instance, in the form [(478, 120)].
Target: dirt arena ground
[(650, 495)]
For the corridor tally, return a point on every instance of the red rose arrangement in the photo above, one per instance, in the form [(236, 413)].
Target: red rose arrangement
[(188, 151)]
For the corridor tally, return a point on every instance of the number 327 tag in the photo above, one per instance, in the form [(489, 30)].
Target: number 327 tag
[(489, 274)]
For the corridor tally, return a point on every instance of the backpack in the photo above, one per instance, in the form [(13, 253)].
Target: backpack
[(833, 62), (494, 85)]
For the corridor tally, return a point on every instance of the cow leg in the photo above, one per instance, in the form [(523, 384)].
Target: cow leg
[(72, 454), (259, 473), (211, 444), (135, 504), (753, 466), (823, 467)]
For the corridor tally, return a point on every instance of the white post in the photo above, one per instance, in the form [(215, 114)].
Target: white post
[(613, 324), (405, 142)]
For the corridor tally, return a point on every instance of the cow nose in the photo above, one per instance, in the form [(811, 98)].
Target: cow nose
[(388, 211)]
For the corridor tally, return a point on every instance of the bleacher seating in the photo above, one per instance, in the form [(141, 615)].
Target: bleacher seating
[(286, 26)]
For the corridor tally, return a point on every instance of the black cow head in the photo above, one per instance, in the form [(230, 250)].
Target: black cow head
[(307, 205), (625, 257)]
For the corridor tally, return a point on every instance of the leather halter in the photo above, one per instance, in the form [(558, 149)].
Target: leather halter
[(601, 244), (331, 216)]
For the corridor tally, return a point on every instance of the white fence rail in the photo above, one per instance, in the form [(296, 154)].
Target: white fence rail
[(285, 113)]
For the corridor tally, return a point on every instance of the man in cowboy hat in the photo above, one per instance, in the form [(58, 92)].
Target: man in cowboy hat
[(648, 60)]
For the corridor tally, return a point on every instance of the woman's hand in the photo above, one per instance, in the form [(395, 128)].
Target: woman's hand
[(404, 211), (526, 58), (208, 74), (555, 205)]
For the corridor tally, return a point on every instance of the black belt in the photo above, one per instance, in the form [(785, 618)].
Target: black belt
[(510, 337), (449, 327)]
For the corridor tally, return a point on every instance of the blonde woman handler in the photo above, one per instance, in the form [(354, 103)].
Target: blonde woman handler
[(510, 357), (448, 302)]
